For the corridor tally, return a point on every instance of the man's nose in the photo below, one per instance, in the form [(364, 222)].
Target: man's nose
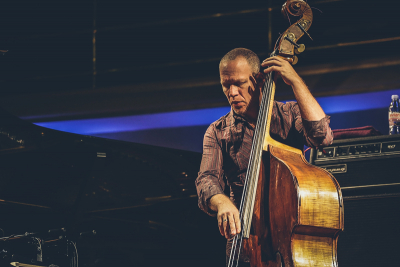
[(234, 90)]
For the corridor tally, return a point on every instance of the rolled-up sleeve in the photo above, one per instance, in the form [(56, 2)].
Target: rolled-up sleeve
[(210, 178), (313, 133), (318, 133)]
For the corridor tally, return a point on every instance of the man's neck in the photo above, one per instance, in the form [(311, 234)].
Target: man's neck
[(250, 119)]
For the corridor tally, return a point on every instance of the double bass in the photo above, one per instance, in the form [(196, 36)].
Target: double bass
[(291, 211)]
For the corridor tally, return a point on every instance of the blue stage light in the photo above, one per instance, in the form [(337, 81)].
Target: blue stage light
[(331, 105)]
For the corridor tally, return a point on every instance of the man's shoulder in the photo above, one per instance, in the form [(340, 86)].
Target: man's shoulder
[(222, 122), (286, 107), (287, 103)]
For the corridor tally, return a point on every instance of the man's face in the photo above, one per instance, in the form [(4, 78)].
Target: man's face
[(239, 86)]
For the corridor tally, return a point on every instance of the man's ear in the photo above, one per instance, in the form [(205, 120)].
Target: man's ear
[(259, 79)]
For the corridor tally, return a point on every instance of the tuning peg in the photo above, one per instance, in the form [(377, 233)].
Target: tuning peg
[(295, 60), (300, 49), (301, 26)]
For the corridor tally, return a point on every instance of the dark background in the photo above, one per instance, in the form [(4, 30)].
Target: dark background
[(158, 56), (161, 56)]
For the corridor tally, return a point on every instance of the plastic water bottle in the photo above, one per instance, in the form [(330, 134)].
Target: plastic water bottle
[(394, 115)]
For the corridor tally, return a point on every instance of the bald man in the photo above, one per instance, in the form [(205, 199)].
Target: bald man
[(227, 141)]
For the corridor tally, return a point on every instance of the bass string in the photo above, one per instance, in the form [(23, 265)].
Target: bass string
[(257, 147), (259, 134), (253, 182), (261, 124)]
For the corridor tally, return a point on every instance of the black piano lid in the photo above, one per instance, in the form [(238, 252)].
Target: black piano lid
[(64, 171), (140, 199)]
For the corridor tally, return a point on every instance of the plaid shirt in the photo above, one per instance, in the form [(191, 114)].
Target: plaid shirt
[(227, 145)]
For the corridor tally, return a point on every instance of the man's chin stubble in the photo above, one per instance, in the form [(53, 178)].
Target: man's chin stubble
[(240, 112)]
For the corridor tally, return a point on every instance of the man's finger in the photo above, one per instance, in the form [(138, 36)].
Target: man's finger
[(272, 68), (232, 225), (268, 59), (272, 60), (225, 226), (237, 222), (221, 229)]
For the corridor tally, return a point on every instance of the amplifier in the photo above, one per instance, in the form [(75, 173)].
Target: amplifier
[(368, 172)]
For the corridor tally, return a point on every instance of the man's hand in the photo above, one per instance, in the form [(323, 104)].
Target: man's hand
[(309, 107), (283, 68), (227, 215)]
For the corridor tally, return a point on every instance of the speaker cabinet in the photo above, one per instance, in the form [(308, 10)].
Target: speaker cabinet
[(368, 171)]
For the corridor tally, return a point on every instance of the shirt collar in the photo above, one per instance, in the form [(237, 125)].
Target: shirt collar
[(235, 117)]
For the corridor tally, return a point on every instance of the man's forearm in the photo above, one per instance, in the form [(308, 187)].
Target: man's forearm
[(218, 200), (227, 215), (309, 107)]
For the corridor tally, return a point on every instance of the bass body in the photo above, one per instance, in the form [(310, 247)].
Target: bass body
[(291, 211)]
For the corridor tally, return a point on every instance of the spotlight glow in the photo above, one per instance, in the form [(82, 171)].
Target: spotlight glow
[(331, 104)]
